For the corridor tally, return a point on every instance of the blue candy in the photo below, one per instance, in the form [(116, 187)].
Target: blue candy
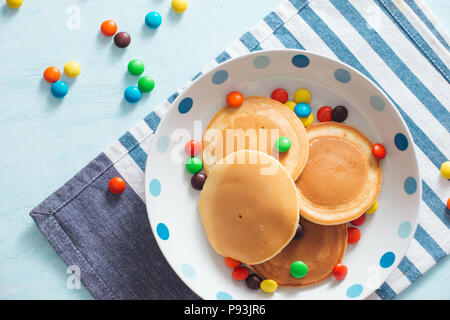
[(59, 89), (153, 19), (132, 94), (302, 110)]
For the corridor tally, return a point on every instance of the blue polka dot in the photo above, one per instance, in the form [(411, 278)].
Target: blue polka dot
[(354, 290), (188, 271), (261, 62), (163, 144), (342, 75), (155, 187), (185, 105), (221, 295), (387, 259), (220, 77), (404, 230), (401, 142), (377, 103), (410, 185), (300, 61), (162, 231)]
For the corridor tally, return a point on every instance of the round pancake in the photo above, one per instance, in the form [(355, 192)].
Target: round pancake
[(342, 178), (321, 248), (249, 207), (256, 124)]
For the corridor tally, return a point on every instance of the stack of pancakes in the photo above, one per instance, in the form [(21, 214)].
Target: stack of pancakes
[(255, 197)]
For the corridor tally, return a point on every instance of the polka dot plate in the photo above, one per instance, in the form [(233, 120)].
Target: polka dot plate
[(172, 202)]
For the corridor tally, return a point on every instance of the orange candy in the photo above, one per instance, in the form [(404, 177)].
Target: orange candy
[(52, 74), (231, 263), (235, 99), (108, 28), (117, 185), (448, 203)]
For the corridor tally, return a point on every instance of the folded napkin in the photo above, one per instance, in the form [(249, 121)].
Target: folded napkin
[(396, 43)]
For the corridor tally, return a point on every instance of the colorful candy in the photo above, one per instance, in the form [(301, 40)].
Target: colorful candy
[(282, 144), (179, 6), (445, 169), (280, 95), (198, 180), (300, 232), (132, 94), (59, 89), (122, 39), (253, 281), (108, 28), (117, 185), (302, 110), (378, 151), (235, 99), (72, 69), (14, 3), (291, 105), (359, 221), (373, 208), (324, 114), (194, 165), (268, 286), (308, 120), (153, 19), (146, 84), (240, 273), (136, 67), (339, 114), (232, 263), (302, 96), (448, 203), (193, 148), (52, 74), (353, 235), (340, 271), (299, 269)]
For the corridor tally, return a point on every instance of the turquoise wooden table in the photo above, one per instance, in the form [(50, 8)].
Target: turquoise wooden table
[(44, 141)]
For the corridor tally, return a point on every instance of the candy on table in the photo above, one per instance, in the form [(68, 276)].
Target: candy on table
[(291, 105), (117, 185), (282, 144), (59, 89), (235, 99), (339, 114), (136, 67), (359, 221), (232, 263), (298, 269), (308, 120), (373, 208), (132, 94), (198, 180), (445, 169), (193, 148), (122, 39), (240, 273), (14, 3), (268, 285), (340, 271), (253, 281), (179, 6), (153, 19), (324, 114), (108, 28), (353, 235), (300, 232), (302, 95), (146, 84), (302, 110), (194, 165), (379, 151), (72, 69), (52, 74), (280, 95)]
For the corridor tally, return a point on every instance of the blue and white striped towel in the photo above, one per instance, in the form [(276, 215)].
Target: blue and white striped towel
[(396, 43)]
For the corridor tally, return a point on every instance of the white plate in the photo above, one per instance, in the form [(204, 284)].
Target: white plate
[(172, 202)]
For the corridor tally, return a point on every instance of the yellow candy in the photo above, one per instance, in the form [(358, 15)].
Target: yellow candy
[(302, 95), (373, 208), (179, 6), (291, 105), (308, 120), (445, 169), (72, 69), (14, 3), (268, 286)]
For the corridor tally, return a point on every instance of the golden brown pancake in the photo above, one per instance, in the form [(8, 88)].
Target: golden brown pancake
[(249, 207), (256, 124), (321, 248), (342, 178)]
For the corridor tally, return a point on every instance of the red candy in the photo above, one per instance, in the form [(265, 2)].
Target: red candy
[(378, 151), (359, 221), (324, 114), (448, 203), (353, 235), (235, 99), (52, 74), (280, 95), (193, 148), (340, 271), (240, 273), (231, 263), (117, 185)]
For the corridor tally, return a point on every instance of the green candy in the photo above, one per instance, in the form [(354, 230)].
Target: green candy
[(299, 269), (282, 144), (194, 165), (146, 84), (136, 67)]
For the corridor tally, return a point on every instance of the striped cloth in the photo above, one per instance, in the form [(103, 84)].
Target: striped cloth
[(396, 43)]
